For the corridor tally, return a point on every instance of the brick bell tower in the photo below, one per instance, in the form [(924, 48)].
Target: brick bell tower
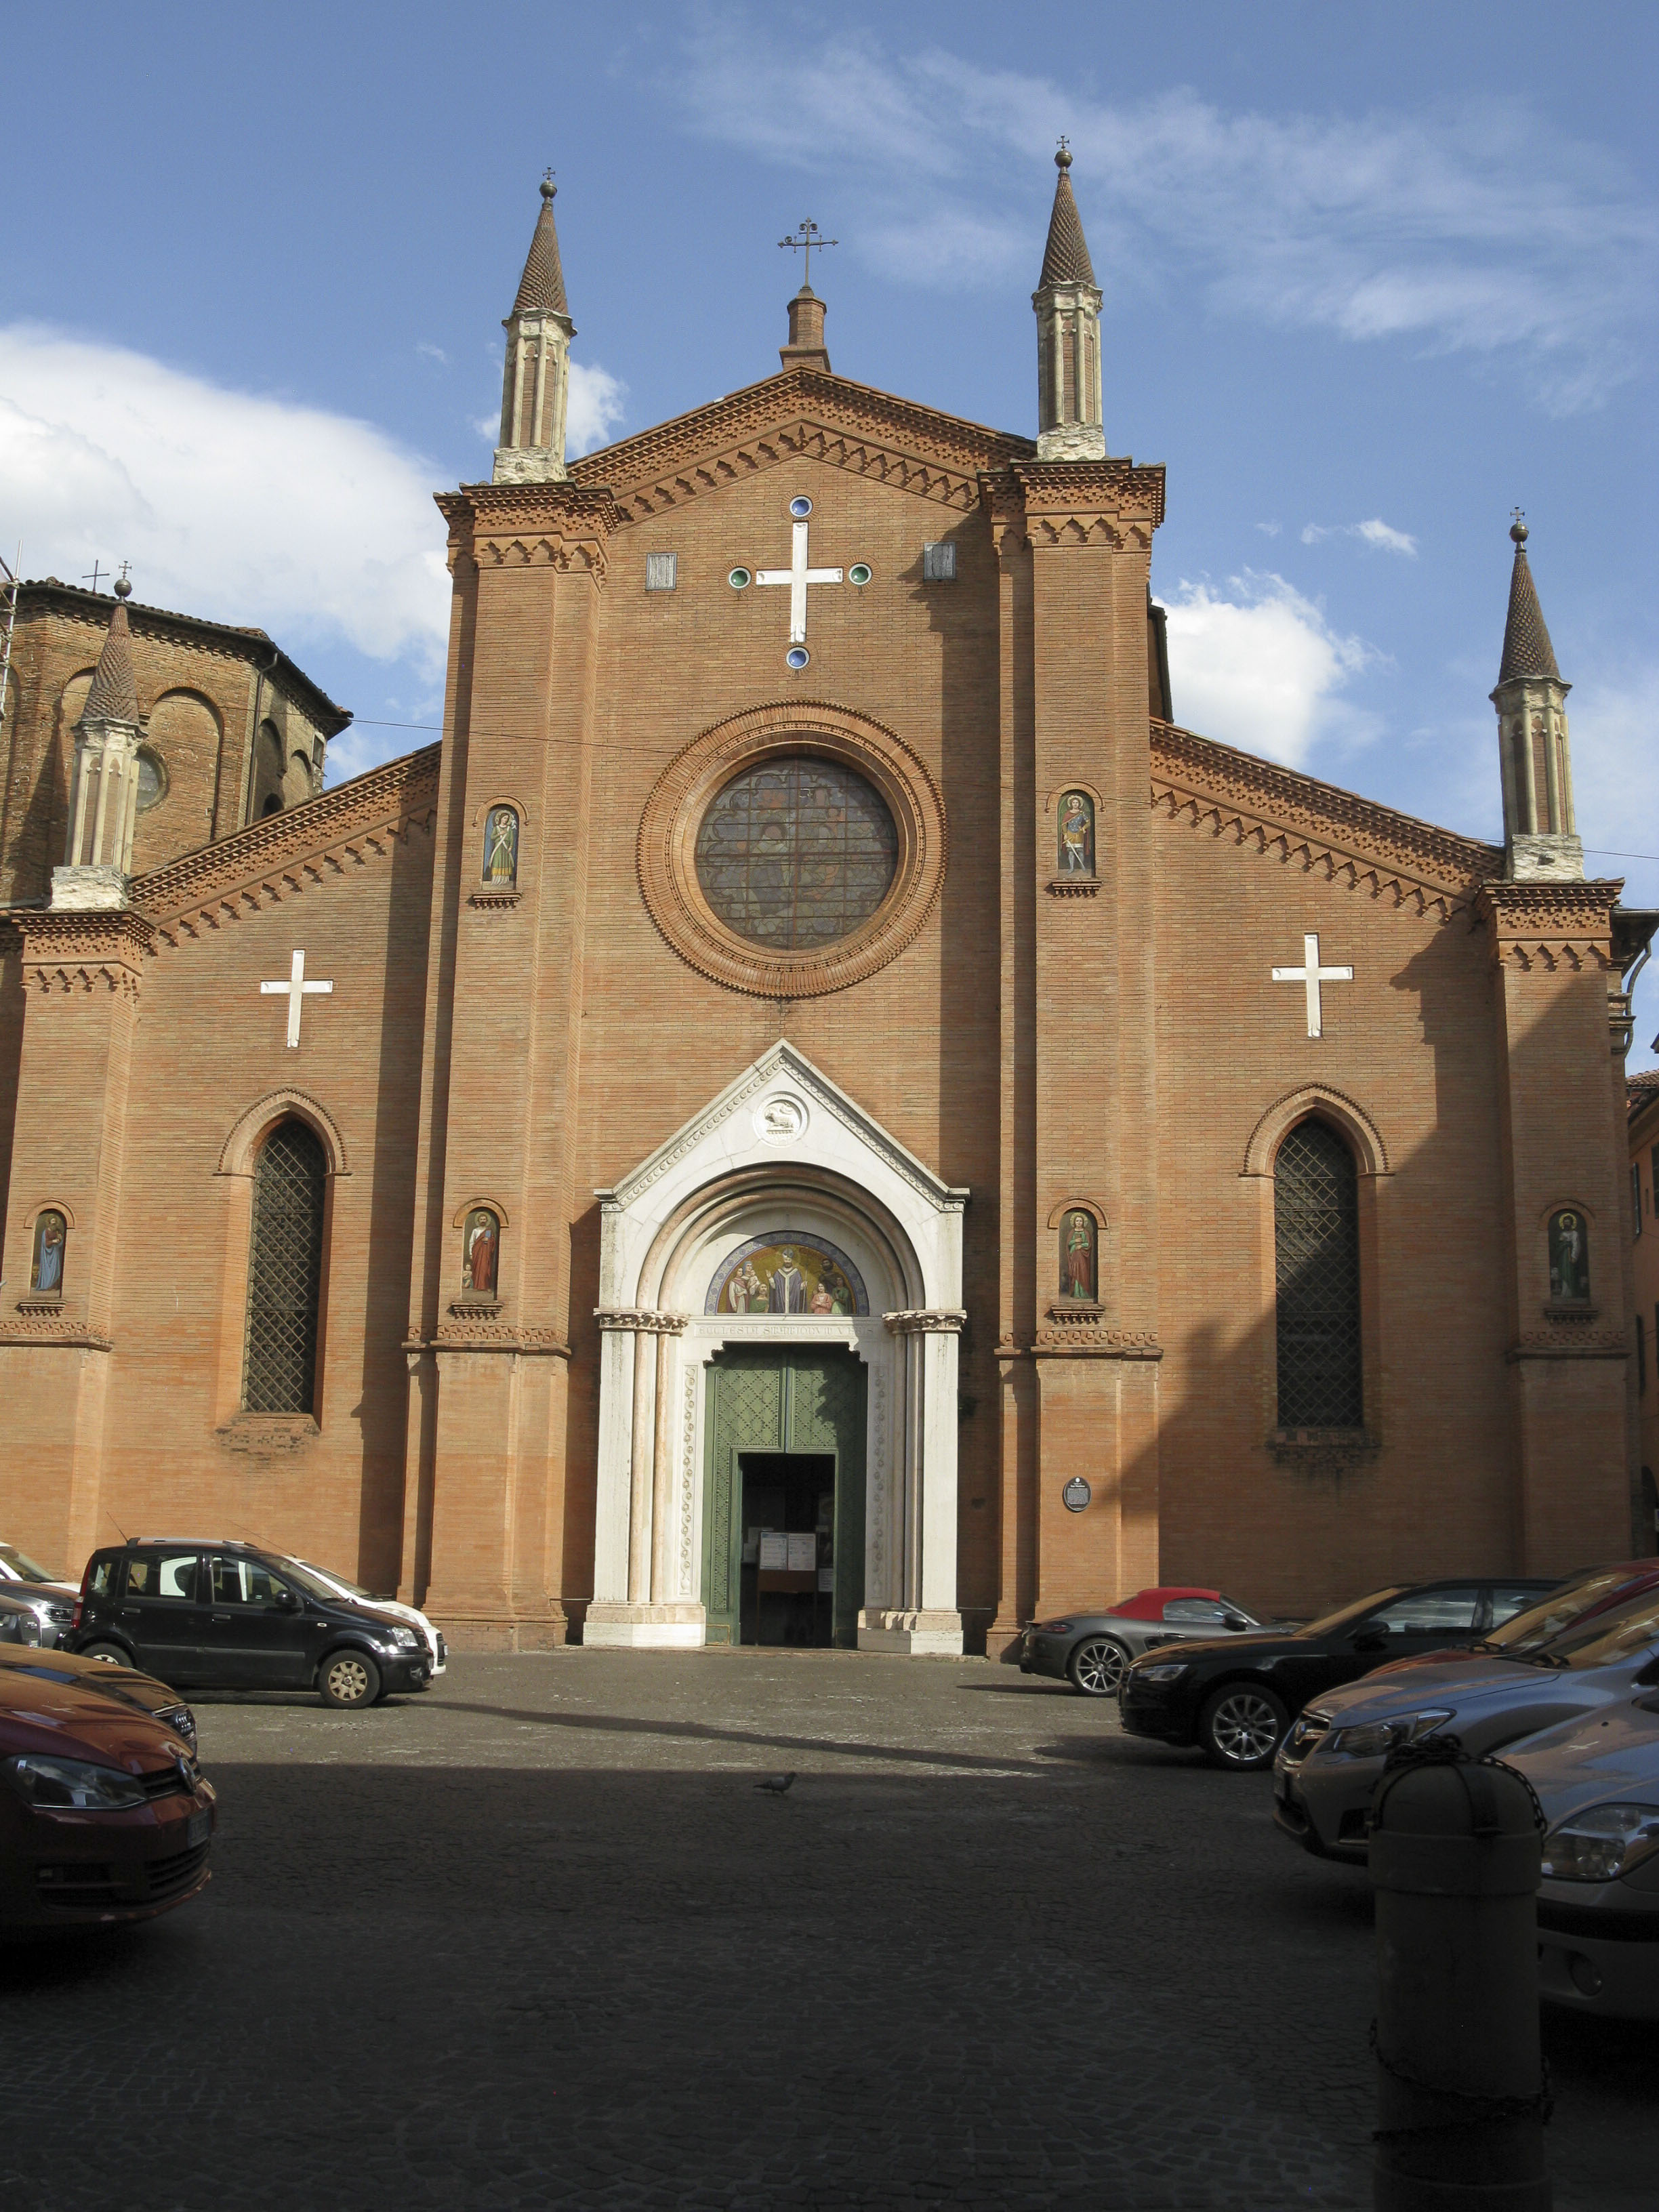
[(1078, 1346), (1561, 946), (489, 1369)]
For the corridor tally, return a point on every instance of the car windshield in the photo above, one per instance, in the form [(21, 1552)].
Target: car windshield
[(1523, 1632), (19, 1566), (335, 1585), (1609, 1637), (1330, 1622), (311, 1581)]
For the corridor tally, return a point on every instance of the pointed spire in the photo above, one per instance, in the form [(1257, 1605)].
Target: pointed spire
[(1527, 647), (1540, 839), (1066, 301), (1066, 257), (541, 288), (114, 694), (535, 375)]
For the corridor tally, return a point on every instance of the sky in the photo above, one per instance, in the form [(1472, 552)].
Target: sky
[(1373, 277)]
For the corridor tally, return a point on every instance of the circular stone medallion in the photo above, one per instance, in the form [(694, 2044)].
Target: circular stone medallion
[(781, 1119)]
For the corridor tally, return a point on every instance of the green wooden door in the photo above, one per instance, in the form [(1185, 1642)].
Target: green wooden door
[(775, 1398)]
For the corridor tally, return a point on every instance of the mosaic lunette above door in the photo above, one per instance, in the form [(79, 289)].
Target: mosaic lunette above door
[(782, 1274)]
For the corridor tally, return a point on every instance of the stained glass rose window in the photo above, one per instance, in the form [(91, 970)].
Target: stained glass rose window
[(797, 852)]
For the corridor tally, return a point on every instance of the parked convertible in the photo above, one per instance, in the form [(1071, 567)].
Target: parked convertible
[(1234, 1696), (1092, 1650), (103, 1814), (1332, 1759)]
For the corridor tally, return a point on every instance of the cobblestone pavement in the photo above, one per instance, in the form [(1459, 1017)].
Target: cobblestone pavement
[(537, 1939)]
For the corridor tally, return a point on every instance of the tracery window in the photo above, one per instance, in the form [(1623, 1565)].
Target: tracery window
[(796, 853), (1317, 1254), (285, 1271)]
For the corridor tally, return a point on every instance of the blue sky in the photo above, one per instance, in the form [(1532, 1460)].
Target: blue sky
[(1373, 275)]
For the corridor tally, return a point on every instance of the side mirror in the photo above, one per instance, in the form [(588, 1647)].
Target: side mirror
[(288, 1601), (1372, 1640), (1234, 1620)]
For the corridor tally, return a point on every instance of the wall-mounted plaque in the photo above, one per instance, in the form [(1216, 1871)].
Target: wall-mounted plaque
[(1076, 1494)]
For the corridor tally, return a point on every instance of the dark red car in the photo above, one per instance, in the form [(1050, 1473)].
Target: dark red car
[(1590, 1591), (104, 1814)]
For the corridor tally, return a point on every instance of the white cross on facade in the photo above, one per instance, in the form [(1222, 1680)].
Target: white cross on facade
[(1312, 975), (296, 988), (798, 576)]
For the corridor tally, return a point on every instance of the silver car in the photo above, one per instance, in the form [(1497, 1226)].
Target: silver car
[(1330, 1762), (1596, 1779), (1092, 1650), (35, 1614)]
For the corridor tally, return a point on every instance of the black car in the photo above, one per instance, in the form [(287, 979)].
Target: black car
[(1235, 1696), (231, 1616)]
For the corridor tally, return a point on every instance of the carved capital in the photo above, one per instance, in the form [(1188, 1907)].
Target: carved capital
[(644, 1321), (927, 1320)]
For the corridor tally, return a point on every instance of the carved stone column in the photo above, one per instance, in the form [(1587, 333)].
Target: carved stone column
[(648, 1615), (927, 1618)]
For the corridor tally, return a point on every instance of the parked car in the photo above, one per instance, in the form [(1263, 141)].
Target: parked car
[(1596, 1778), (105, 1815), (233, 1616), (1092, 1650), (123, 1685), (34, 1614), (1234, 1696), (1332, 1759), (1592, 1590), (432, 1637), (16, 1566)]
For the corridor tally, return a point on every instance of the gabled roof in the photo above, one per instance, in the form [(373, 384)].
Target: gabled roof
[(919, 448)]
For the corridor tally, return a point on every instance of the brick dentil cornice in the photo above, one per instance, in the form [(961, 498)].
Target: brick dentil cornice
[(1551, 926), (561, 524), (83, 952), (284, 854), (1316, 825), (801, 414)]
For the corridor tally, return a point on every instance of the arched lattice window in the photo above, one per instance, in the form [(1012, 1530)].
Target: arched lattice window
[(285, 1271), (1316, 1251)]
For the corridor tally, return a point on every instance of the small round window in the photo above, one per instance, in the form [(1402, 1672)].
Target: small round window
[(797, 852), (152, 779)]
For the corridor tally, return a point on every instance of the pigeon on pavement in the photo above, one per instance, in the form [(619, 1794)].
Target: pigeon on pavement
[(776, 1783)]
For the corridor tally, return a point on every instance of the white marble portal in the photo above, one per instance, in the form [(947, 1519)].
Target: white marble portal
[(782, 1151)]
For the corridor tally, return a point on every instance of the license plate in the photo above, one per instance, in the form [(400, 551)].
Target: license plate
[(197, 1829)]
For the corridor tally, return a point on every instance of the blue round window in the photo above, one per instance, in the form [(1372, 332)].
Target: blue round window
[(800, 508), (798, 656)]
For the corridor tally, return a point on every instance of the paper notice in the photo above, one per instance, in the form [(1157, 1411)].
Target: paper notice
[(803, 1553), (774, 1549)]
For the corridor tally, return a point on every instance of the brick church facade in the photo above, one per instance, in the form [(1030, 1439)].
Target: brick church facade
[(818, 1111)]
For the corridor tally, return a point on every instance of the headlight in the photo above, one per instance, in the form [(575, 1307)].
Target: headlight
[(62, 1783), (1165, 1671), (405, 1636), (1051, 1628), (1373, 1739), (60, 1615), (1602, 1844)]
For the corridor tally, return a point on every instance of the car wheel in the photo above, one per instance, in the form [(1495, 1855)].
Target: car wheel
[(1241, 1726), (350, 1679), (1097, 1667), (113, 1653)]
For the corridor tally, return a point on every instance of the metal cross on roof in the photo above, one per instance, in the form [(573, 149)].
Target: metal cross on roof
[(805, 237), (96, 573)]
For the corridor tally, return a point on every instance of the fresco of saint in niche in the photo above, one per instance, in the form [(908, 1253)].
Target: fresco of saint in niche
[(49, 1233), (1569, 1258), (480, 1247), (794, 1275), (1077, 835), (1077, 1256), (500, 850)]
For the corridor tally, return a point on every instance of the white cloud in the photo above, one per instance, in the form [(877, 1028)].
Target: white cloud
[(234, 505), (1261, 668), (1481, 228), (428, 351), (1376, 534), (596, 406), (1269, 529)]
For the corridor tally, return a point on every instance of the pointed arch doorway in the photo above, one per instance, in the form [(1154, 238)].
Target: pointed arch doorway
[(784, 1495)]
